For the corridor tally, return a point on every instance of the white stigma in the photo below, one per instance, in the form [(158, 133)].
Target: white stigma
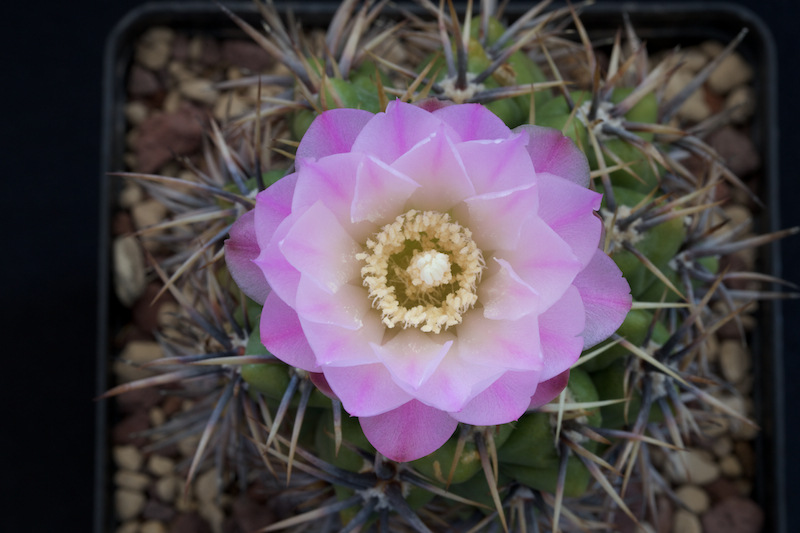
[(432, 267)]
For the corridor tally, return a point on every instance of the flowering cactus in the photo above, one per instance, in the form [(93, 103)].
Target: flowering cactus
[(430, 268)]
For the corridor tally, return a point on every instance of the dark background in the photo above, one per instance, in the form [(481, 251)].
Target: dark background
[(50, 116)]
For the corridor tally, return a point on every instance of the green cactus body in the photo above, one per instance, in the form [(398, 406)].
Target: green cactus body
[(555, 113), (436, 466), (576, 483)]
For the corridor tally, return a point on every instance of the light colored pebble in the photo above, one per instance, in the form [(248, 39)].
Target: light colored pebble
[(154, 47), (128, 457), (230, 105), (711, 48), (694, 59), (739, 214), (131, 526), (712, 348), (179, 71), (695, 498), (172, 102), (685, 522), (733, 71), (744, 486), (136, 112), (731, 466), (716, 427), (746, 385), (148, 213), (153, 526), (128, 503), (157, 417), (744, 99), (167, 315), (130, 195), (128, 479), (206, 486), (692, 466), (722, 446), (199, 90), (167, 488), (213, 515), (185, 505), (734, 361), (131, 138), (187, 405), (695, 108), (195, 48), (188, 446), (677, 82), (129, 275), (142, 352), (160, 465)]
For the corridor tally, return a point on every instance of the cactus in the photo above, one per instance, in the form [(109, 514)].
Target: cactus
[(663, 229)]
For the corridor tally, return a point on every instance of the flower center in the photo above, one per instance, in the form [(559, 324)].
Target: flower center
[(422, 271)]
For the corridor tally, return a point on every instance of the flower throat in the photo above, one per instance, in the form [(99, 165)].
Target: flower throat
[(422, 271)]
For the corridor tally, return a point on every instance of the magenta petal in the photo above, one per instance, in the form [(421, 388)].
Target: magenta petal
[(496, 218), (333, 132), (240, 250), (345, 308), (504, 401), (505, 296), (319, 381), (569, 210), (548, 390), (543, 260), (409, 432), (455, 382), (365, 390), (318, 246), (411, 357), (380, 192), (435, 164), (332, 181), (497, 165), (337, 346), (553, 152), (283, 336), (507, 344), (473, 122), (606, 297), (560, 329), (390, 135), (273, 205), (282, 277)]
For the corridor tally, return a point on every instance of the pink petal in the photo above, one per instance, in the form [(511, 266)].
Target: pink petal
[(273, 205), (504, 401), (337, 346), (365, 390), (318, 247), (560, 329), (282, 277), (332, 181), (505, 296), (389, 135), (547, 391), (507, 344), (553, 152), (606, 297), (409, 432), (496, 218), (240, 250), (455, 382), (497, 165), (569, 210), (333, 132), (283, 336), (435, 164), (411, 357), (474, 122), (380, 192), (319, 381), (543, 260), (345, 308)]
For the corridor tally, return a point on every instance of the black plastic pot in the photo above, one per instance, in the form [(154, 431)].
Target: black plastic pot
[(661, 25)]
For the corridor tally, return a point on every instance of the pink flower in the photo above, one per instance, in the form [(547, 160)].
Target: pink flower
[(435, 267)]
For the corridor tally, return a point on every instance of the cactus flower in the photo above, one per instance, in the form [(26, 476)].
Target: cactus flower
[(430, 266)]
